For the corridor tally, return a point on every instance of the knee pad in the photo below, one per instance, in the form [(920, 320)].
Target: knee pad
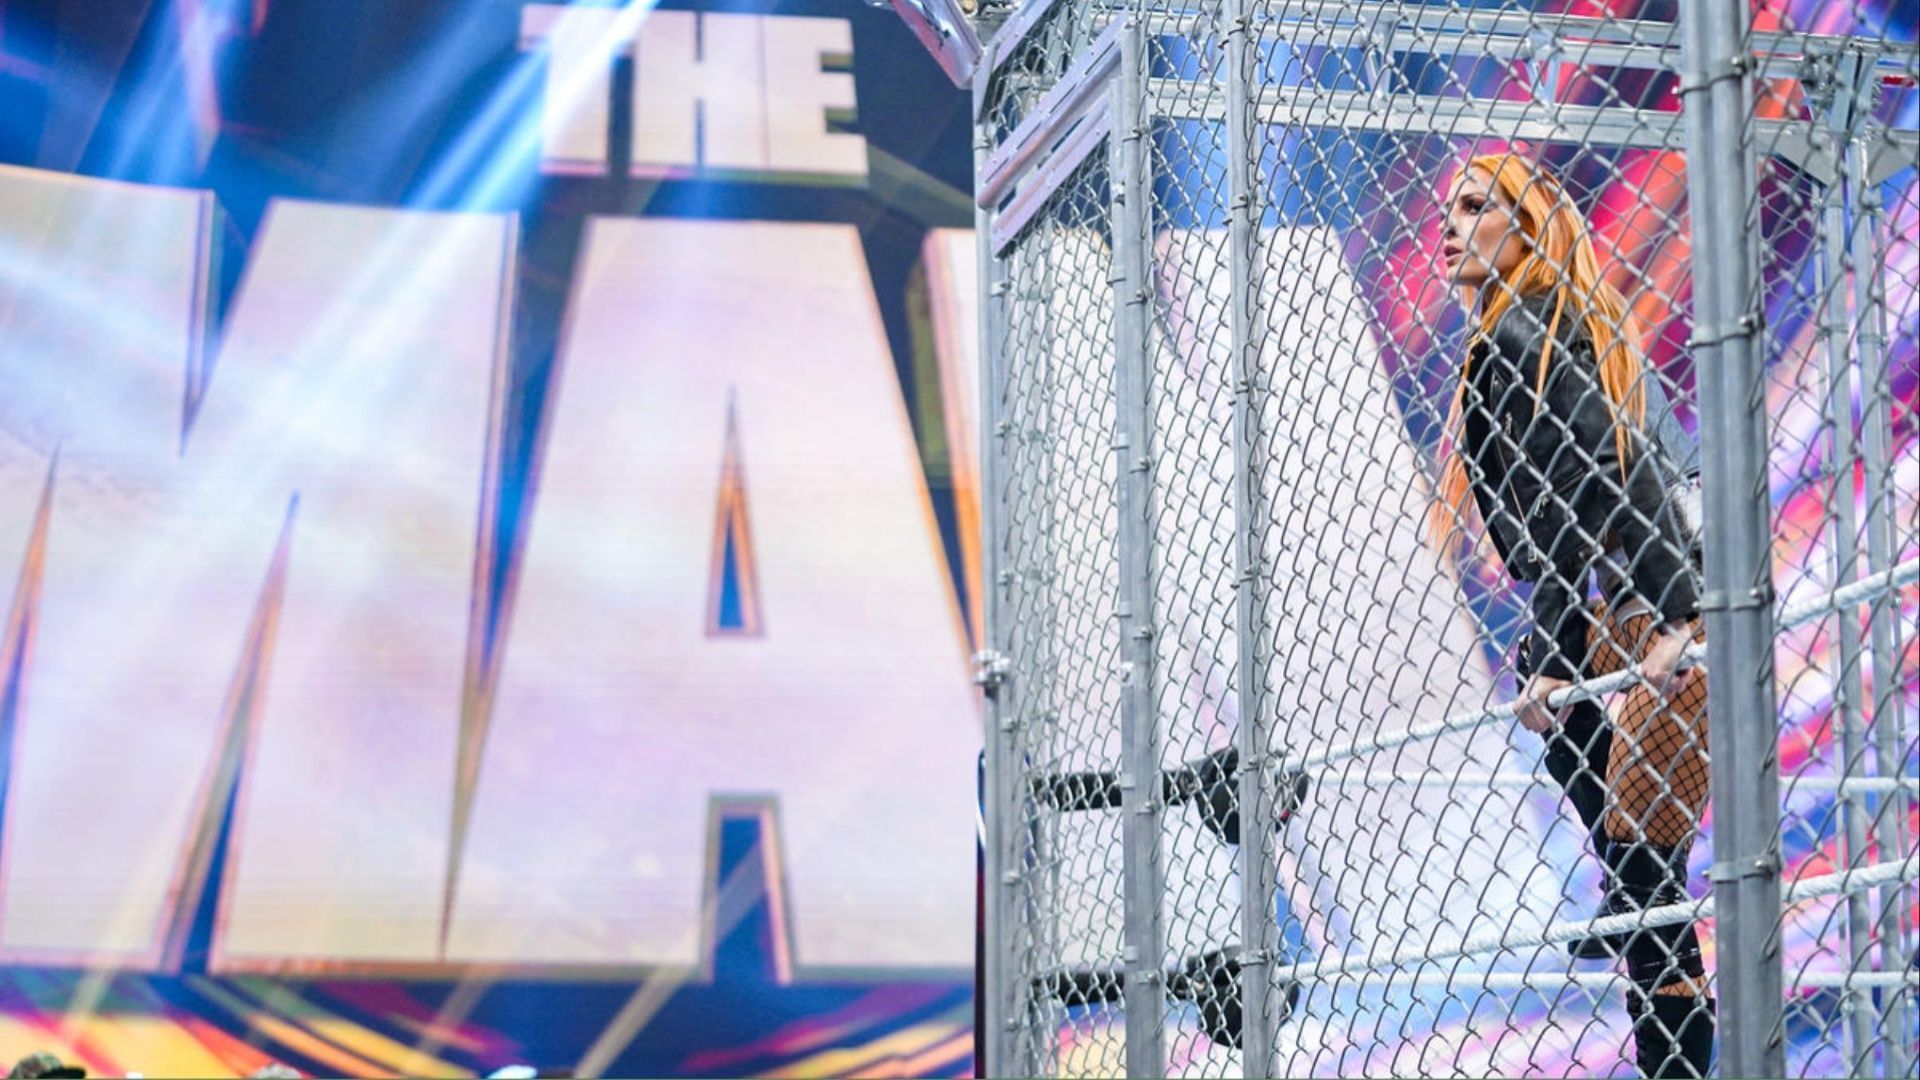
[(1664, 955)]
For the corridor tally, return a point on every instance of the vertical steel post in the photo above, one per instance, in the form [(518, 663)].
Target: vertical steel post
[(1842, 455), (1876, 390), (1003, 818), (1259, 929), (1132, 221), (1036, 637), (1738, 601)]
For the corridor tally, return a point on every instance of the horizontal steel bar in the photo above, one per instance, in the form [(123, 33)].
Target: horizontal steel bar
[(1038, 188), (1481, 31), (1845, 881), (1424, 114), (1802, 142), (1582, 41), (1004, 42), (1485, 27), (1080, 91), (1388, 33), (1478, 118)]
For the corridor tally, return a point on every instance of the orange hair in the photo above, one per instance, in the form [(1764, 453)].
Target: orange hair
[(1559, 259)]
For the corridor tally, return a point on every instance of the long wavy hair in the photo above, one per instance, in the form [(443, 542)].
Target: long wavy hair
[(1559, 260)]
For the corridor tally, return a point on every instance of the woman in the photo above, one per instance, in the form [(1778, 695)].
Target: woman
[(1548, 442)]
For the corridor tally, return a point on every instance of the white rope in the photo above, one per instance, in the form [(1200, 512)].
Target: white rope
[(1864, 589), (1523, 780), (1845, 881), (1870, 980), (1602, 981)]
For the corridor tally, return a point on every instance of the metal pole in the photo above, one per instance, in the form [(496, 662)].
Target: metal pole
[(1259, 930), (1035, 335), (1842, 455), (1132, 210), (1002, 801), (1870, 304), (1738, 601)]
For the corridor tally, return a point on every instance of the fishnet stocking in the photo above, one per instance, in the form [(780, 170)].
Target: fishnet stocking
[(1657, 770), (1657, 773)]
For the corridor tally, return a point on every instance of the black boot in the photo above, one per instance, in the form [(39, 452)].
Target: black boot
[(1210, 980), (1672, 1034), (1638, 876)]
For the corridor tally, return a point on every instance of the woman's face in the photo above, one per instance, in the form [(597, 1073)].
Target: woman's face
[(1483, 238)]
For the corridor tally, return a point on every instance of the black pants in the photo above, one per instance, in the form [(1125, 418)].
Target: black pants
[(1576, 756)]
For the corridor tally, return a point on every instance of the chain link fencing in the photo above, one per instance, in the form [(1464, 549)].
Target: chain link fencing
[(1260, 797), (1833, 206)]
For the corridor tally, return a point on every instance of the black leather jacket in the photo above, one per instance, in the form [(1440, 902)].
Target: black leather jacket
[(1547, 478)]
